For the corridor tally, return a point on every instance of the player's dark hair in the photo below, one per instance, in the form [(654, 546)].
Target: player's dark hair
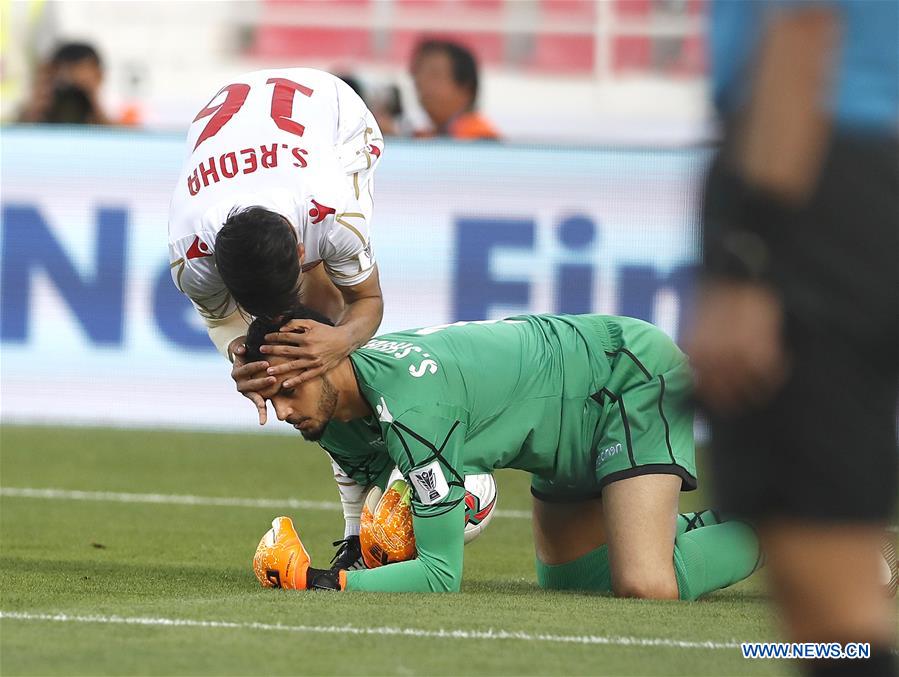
[(465, 65), (268, 325), (73, 52), (256, 255)]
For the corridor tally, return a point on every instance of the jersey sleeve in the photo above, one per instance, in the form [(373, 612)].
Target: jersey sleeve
[(440, 542), (199, 280), (346, 250), (369, 470), (359, 141), (428, 450)]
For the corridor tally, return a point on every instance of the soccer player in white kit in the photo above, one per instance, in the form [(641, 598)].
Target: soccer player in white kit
[(273, 205)]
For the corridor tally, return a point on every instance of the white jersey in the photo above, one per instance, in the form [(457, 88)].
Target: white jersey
[(297, 141)]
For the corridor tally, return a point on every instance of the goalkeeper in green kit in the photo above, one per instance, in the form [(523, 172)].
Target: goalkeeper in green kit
[(596, 408)]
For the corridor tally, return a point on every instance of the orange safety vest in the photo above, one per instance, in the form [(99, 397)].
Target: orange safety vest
[(468, 126)]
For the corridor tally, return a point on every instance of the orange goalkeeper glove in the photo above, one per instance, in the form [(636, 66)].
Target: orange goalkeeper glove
[(386, 534)]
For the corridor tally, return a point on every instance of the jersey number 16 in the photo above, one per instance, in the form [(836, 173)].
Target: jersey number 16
[(283, 94)]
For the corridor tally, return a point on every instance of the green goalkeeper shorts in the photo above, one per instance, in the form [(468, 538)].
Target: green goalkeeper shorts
[(646, 424)]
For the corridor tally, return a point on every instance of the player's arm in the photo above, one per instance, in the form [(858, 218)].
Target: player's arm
[(349, 267), (766, 172), (362, 309), (198, 279), (437, 567), (354, 476), (428, 450), (783, 137)]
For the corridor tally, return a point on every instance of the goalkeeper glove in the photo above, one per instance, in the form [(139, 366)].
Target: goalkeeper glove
[(386, 533)]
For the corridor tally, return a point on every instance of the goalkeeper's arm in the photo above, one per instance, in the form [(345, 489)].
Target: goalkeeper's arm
[(440, 541)]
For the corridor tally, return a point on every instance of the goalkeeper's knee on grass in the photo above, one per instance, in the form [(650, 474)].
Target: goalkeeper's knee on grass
[(705, 560), (589, 572)]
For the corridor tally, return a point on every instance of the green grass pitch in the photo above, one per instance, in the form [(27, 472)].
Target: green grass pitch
[(140, 581)]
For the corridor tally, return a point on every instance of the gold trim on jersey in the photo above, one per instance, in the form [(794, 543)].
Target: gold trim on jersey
[(340, 219), (333, 273), (214, 313), (179, 262)]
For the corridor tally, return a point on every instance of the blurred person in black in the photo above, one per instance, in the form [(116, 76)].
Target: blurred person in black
[(385, 103), (67, 88), (795, 340), (446, 82)]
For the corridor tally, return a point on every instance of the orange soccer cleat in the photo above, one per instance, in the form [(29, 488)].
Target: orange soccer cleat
[(281, 561)]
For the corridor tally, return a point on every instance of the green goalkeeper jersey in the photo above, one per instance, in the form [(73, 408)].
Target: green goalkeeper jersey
[(468, 398)]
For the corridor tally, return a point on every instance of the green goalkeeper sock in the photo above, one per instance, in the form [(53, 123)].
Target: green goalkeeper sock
[(714, 557), (588, 572), (708, 555), (689, 521)]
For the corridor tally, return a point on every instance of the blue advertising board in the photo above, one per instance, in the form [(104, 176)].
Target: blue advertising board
[(93, 330)]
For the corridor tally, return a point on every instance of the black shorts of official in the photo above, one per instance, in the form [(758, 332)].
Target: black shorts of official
[(824, 449)]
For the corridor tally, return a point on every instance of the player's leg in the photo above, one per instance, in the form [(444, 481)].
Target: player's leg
[(689, 521), (805, 559), (640, 520), (572, 553), (831, 494), (569, 539), (645, 457), (352, 497), (651, 560)]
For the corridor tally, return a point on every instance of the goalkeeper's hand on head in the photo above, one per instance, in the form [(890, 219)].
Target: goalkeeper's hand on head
[(281, 561)]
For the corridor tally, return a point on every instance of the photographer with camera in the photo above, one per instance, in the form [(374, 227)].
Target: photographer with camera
[(67, 88)]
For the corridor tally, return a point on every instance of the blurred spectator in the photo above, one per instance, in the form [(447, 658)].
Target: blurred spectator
[(384, 102), (446, 81), (67, 88), (386, 105), (354, 84)]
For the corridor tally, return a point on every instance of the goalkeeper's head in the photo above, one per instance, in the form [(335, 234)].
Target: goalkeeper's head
[(308, 407)]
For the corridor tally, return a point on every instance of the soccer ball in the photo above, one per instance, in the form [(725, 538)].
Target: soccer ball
[(480, 504), (480, 501), (386, 535)]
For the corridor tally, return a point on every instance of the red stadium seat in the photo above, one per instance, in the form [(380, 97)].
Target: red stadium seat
[(317, 43), (563, 53)]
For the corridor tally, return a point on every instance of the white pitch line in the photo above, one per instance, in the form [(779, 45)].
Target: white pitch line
[(185, 499), (384, 630)]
